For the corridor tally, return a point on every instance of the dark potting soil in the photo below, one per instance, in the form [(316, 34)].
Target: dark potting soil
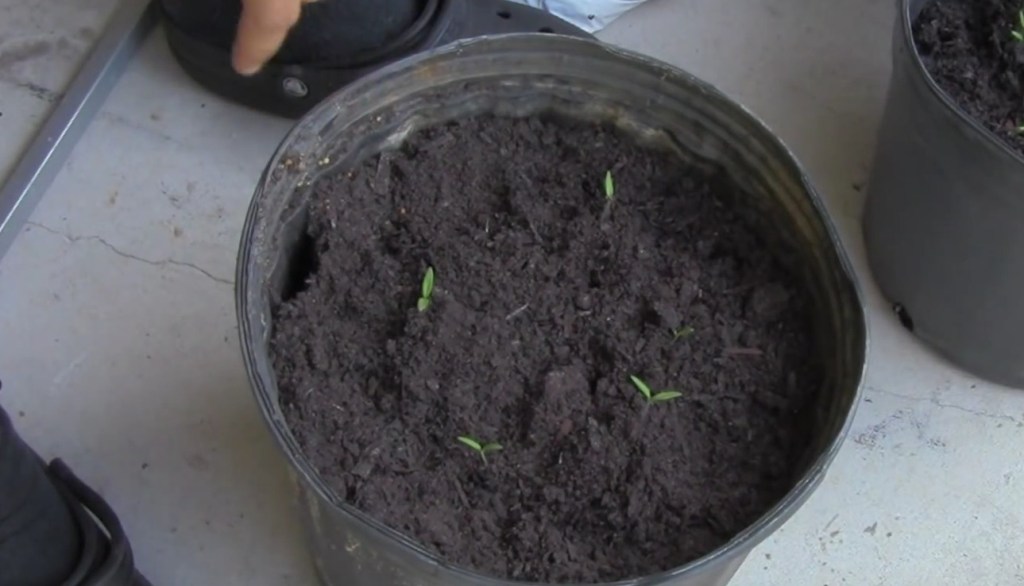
[(969, 49), (547, 299)]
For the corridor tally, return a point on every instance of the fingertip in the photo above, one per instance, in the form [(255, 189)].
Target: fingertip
[(262, 29), (245, 68)]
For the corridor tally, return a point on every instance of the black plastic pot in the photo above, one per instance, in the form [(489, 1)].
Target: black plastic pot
[(54, 530), (335, 43), (330, 30), (522, 75), (944, 221)]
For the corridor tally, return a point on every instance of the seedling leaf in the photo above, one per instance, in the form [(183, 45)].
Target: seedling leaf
[(426, 290), (428, 283), (683, 332), (641, 386), (609, 186), (666, 396), (1018, 35), (472, 443)]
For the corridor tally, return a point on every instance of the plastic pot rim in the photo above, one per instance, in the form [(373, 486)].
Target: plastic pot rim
[(969, 123), (742, 542)]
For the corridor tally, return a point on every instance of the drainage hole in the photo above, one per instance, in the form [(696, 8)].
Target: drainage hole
[(546, 29), (504, 14), (904, 316)]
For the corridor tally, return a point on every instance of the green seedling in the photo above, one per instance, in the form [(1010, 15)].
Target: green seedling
[(480, 447), (681, 333), (650, 395), (1019, 129), (1018, 32), (609, 197), (609, 186), (426, 290)]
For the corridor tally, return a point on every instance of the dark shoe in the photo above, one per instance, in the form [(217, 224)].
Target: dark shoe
[(55, 530)]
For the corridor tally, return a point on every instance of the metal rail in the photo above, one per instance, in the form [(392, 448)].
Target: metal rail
[(42, 160)]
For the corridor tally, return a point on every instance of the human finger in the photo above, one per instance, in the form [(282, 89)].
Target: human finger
[(262, 30)]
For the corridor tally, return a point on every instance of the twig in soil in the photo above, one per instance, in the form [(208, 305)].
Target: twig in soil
[(740, 288), (510, 316), (426, 290), (742, 352), (1018, 32), (444, 140), (534, 231), (529, 224), (480, 447), (381, 182), (462, 493), (682, 332), (650, 395)]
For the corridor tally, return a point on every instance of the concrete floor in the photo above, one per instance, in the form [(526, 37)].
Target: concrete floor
[(118, 345)]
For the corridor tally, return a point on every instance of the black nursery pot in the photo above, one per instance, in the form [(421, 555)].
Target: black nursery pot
[(334, 43), (944, 221), (526, 75)]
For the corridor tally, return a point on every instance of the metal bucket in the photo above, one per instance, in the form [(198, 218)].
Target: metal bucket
[(944, 221), (520, 75)]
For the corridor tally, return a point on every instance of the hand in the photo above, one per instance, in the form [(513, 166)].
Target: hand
[(262, 30)]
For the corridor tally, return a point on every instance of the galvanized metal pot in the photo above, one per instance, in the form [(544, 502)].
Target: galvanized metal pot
[(521, 75), (944, 221)]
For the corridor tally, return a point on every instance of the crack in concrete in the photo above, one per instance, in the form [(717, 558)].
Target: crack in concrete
[(935, 401), (123, 254), (52, 97), (39, 92)]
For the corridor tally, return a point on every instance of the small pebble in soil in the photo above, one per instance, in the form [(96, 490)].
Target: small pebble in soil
[(562, 352), (584, 301)]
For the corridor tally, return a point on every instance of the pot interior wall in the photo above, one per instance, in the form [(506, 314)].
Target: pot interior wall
[(520, 76)]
